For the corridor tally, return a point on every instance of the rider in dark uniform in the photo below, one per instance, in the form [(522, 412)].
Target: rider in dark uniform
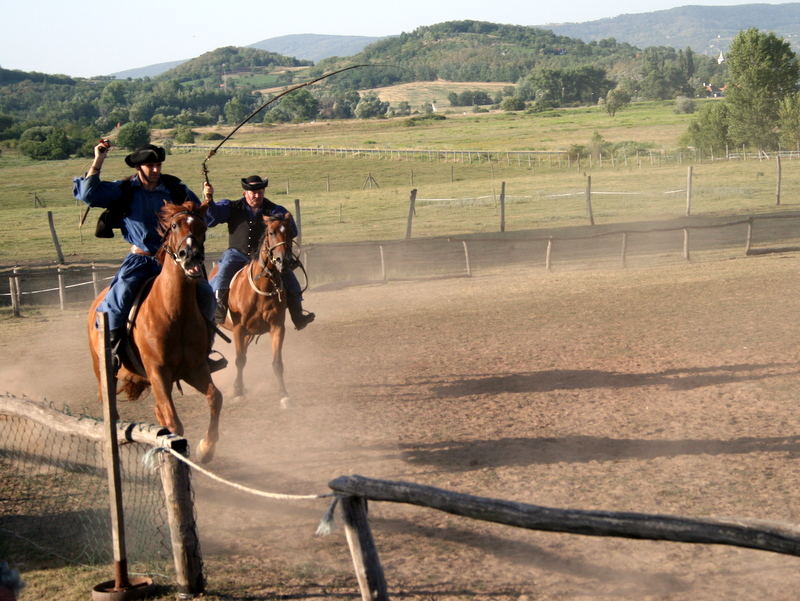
[(137, 201), (245, 229)]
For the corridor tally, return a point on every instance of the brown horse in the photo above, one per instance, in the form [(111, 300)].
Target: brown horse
[(170, 333), (257, 301)]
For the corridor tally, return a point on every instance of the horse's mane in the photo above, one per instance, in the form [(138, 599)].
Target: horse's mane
[(169, 210)]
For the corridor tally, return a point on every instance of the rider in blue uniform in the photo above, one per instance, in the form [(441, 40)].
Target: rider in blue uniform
[(138, 200), (245, 229)]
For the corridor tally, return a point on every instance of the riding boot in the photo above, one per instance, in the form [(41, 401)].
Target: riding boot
[(214, 364), (300, 318), (116, 339), (222, 306)]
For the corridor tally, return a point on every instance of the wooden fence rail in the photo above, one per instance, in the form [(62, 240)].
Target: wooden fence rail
[(358, 490)]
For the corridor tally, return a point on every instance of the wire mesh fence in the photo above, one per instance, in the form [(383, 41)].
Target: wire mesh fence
[(55, 503)]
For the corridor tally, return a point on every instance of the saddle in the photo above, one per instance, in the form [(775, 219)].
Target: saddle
[(128, 353)]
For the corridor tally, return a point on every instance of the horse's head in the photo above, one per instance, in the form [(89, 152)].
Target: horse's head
[(184, 229), (276, 245)]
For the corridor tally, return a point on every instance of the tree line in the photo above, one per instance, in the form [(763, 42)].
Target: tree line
[(53, 116), (761, 106)]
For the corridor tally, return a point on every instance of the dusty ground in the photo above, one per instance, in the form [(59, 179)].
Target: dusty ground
[(667, 390)]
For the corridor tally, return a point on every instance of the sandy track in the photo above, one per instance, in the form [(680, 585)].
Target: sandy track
[(666, 390)]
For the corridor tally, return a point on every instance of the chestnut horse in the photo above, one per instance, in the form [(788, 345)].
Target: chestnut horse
[(170, 333), (257, 301)]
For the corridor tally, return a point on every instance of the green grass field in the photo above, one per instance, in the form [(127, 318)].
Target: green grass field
[(346, 198)]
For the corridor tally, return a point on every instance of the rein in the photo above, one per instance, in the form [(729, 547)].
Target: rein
[(270, 279), (266, 271)]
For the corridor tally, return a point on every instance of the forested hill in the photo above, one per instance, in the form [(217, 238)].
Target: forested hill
[(473, 51), (704, 29), (228, 60)]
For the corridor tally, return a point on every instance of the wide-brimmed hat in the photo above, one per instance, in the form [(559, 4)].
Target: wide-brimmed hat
[(148, 153), (254, 182)]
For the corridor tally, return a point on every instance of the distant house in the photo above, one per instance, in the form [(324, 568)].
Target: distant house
[(713, 91)]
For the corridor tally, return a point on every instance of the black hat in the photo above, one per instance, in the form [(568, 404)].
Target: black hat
[(146, 154), (254, 182)]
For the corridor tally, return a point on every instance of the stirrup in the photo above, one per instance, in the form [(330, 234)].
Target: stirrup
[(217, 364)]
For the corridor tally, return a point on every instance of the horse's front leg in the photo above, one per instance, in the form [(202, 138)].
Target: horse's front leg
[(241, 341), (278, 332), (166, 415), (202, 381)]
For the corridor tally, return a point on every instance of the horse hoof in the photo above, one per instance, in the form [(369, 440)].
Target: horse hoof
[(205, 451), (284, 402)]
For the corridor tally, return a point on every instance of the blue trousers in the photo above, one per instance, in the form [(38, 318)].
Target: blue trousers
[(232, 260), (134, 271)]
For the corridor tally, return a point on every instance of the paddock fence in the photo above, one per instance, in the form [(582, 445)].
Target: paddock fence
[(56, 500), (687, 239), (354, 492), (56, 458), (532, 158)]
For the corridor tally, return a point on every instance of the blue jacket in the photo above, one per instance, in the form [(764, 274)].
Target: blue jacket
[(140, 226)]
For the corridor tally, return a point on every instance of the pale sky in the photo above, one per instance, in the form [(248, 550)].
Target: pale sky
[(83, 39)]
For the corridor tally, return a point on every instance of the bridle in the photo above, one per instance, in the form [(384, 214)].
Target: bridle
[(267, 265), (187, 252)]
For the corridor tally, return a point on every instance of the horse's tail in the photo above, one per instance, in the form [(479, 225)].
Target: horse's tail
[(133, 390)]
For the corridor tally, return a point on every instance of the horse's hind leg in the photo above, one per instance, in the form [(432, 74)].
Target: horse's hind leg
[(278, 332), (207, 446)]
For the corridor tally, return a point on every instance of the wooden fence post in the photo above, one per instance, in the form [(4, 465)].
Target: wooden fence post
[(298, 220), (17, 288), (176, 481), (55, 237), (466, 257), (502, 206), (95, 285), (548, 255), (778, 179), (749, 239), (366, 562), (589, 213), (12, 288), (624, 249), (689, 191), (411, 208), (383, 263), (686, 243), (61, 288), (114, 475)]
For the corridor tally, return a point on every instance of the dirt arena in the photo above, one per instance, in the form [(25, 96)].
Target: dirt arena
[(668, 390)]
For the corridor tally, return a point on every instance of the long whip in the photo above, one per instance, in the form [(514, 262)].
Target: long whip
[(274, 99)]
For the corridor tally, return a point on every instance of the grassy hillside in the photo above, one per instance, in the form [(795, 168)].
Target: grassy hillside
[(653, 123), (705, 29), (454, 197), (474, 51)]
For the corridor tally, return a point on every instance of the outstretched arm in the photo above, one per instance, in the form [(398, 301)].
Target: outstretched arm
[(100, 152)]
